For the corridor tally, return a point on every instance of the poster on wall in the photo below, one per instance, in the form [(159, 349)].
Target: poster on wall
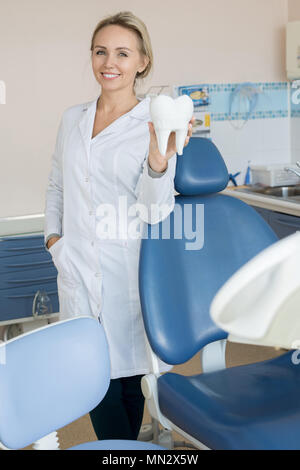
[(200, 96)]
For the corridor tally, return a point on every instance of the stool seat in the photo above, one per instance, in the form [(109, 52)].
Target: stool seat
[(116, 444)]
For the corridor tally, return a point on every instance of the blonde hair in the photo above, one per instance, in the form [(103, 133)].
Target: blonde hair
[(128, 20)]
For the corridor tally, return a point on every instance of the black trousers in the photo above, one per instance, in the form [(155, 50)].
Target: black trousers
[(120, 414)]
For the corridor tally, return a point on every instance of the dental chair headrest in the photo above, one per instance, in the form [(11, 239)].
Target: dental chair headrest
[(201, 169)]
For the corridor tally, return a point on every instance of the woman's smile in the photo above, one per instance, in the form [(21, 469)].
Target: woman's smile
[(109, 76)]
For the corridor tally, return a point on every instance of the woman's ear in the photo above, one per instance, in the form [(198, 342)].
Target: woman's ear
[(146, 62)]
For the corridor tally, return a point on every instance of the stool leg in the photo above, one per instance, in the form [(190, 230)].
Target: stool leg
[(49, 442)]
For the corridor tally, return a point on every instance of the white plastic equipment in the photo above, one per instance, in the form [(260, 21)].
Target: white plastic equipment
[(293, 50), (260, 303)]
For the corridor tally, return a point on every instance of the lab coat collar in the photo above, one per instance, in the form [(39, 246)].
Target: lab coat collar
[(86, 123), (141, 110)]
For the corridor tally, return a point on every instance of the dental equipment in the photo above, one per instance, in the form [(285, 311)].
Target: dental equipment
[(259, 304)]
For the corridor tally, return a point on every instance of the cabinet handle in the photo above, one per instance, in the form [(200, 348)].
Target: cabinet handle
[(25, 248), (10, 238), (26, 296), (25, 265), (26, 281)]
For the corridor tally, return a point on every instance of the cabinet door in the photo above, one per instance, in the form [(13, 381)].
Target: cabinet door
[(25, 268), (284, 224)]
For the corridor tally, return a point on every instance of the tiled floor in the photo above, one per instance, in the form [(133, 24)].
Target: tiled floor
[(236, 354)]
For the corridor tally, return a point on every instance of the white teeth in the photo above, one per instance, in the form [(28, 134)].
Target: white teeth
[(109, 75), (170, 115)]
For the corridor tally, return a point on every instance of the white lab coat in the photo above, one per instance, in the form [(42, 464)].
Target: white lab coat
[(97, 276)]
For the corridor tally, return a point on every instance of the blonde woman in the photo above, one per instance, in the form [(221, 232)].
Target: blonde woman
[(106, 164)]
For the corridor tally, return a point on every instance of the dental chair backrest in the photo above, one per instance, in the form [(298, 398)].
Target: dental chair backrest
[(178, 278), (50, 377)]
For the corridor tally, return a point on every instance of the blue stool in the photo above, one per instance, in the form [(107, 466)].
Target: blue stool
[(50, 377)]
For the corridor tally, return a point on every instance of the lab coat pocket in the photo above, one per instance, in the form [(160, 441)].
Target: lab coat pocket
[(56, 248), (67, 285), (68, 298), (58, 253)]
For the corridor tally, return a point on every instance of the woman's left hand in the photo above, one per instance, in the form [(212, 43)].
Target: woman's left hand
[(157, 161)]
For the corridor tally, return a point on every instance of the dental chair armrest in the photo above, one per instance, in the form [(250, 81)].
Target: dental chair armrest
[(213, 356)]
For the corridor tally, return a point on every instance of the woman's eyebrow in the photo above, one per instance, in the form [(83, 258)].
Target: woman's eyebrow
[(103, 47)]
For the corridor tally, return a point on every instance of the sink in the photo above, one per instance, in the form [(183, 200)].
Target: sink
[(284, 192)]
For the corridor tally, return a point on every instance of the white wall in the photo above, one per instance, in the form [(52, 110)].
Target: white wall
[(45, 63), (294, 15), (294, 10)]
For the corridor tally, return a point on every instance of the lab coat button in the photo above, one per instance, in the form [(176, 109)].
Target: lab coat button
[(87, 179)]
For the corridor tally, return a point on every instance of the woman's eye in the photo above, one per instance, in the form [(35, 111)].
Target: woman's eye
[(97, 53)]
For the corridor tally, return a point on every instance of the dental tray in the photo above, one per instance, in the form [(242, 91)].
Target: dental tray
[(274, 175)]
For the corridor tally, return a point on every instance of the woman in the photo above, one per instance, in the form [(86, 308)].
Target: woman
[(106, 160)]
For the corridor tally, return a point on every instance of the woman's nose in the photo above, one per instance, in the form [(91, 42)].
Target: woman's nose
[(109, 60)]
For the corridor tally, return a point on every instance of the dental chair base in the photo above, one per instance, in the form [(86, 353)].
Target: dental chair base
[(162, 437), (212, 359)]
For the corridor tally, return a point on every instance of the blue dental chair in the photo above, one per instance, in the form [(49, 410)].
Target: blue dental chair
[(50, 377), (254, 406)]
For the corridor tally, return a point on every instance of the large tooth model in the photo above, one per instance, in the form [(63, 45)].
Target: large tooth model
[(168, 115)]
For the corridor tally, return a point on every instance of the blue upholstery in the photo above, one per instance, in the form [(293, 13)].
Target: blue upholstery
[(251, 406), (177, 285), (196, 175), (255, 406), (116, 444)]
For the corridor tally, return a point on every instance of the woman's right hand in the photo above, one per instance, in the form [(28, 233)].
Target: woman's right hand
[(51, 241)]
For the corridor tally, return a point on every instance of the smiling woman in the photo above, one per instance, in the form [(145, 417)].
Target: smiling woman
[(121, 53), (138, 44), (106, 150)]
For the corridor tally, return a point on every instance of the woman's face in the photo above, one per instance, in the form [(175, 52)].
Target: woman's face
[(116, 52)]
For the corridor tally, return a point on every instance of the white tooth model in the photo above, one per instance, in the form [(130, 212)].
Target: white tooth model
[(168, 115)]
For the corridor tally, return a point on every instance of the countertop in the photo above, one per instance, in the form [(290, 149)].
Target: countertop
[(266, 202), (22, 225), (33, 224)]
